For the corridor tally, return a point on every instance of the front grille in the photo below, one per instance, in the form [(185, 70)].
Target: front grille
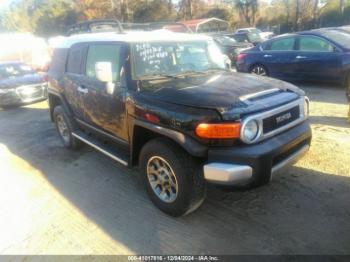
[(281, 119), (31, 92)]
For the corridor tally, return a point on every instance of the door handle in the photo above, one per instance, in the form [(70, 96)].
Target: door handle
[(301, 57), (83, 90), (267, 55)]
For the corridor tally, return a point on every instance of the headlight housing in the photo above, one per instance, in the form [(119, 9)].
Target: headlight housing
[(250, 131), (5, 91)]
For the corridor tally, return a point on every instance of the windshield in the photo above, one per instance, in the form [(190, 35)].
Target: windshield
[(254, 38), (342, 38), (224, 40), (175, 58), (14, 70), (255, 31)]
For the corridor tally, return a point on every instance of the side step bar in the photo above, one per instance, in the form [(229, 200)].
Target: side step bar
[(108, 151)]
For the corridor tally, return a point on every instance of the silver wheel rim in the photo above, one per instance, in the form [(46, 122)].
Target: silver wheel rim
[(259, 70), (162, 179), (62, 128)]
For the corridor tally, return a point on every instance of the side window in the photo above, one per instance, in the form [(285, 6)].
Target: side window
[(103, 53), (285, 44), (314, 44), (74, 60)]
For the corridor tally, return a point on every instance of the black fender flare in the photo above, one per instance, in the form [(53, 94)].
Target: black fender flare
[(193, 147)]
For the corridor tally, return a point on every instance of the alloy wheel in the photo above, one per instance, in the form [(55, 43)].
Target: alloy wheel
[(259, 70), (62, 128), (162, 179)]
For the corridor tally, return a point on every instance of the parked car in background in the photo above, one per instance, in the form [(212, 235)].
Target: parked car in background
[(20, 84), (317, 55), (253, 30), (230, 47), (246, 37)]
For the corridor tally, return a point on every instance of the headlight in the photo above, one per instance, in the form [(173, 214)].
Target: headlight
[(306, 107), (250, 131), (5, 91)]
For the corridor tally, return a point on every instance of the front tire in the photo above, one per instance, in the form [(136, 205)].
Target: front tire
[(64, 127), (174, 180)]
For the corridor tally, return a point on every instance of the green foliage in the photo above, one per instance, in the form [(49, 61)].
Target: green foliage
[(156, 10), (51, 17), (218, 12)]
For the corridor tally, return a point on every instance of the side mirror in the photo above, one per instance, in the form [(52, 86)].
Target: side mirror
[(103, 71)]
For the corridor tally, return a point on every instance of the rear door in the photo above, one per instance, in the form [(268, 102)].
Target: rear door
[(73, 80), (318, 59), (102, 110), (279, 57)]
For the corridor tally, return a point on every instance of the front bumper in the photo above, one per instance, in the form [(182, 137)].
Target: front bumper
[(20, 95), (247, 163)]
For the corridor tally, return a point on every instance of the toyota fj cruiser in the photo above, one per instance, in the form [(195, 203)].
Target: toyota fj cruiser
[(165, 102)]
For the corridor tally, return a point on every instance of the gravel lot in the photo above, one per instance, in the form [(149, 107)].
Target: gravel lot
[(54, 201)]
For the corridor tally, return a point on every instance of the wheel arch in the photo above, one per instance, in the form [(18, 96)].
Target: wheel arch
[(142, 132), (54, 100)]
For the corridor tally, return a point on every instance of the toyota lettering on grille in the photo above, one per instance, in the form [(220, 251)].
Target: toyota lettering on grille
[(283, 118)]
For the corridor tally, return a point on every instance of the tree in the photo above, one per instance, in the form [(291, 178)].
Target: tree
[(247, 10), (156, 10)]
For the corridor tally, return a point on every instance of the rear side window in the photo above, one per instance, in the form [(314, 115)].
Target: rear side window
[(74, 59), (314, 44), (103, 53), (58, 62), (285, 44)]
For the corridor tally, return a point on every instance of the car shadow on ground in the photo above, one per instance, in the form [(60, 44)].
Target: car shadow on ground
[(302, 211)]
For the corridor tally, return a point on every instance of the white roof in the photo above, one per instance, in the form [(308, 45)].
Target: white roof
[(132, 36)]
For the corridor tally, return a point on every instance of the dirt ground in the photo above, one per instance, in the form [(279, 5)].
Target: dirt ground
[(54, 201)]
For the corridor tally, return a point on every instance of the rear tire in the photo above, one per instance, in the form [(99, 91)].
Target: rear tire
[(64, 127), (259, 70), (174, 180)]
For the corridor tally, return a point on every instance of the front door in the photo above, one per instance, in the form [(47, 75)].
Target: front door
[(103, 110), (278, 57)]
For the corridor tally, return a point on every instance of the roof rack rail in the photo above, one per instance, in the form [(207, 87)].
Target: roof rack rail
[(171, 26), (93, 26), (135, 26)]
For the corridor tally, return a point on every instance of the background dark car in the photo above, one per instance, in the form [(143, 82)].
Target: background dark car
[(230, 47), (20, 84), (317, 55), (246, 37)]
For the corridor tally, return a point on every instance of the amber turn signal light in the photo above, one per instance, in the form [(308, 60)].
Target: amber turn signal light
[(218, 131)]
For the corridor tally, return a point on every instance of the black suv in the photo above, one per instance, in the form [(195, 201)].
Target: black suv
[(165, 102)]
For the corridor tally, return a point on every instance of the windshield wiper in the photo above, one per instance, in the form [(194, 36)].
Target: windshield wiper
[(156, 75), (216, 69), (191, 72)]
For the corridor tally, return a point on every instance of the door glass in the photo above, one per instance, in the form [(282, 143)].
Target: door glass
[(314, 44), (103, 53), (74, 60), (285, 44)]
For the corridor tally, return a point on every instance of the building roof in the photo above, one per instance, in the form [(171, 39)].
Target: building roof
[(132, 36), (193, 24)]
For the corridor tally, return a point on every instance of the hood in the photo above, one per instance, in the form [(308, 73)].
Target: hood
[(231, 94), (21, 81)]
